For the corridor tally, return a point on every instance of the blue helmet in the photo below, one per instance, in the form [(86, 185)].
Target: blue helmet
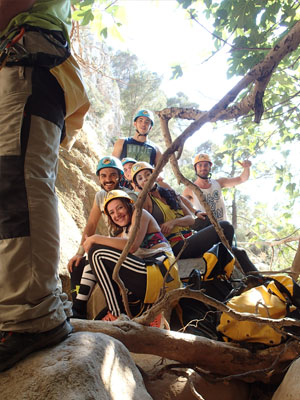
[(110, 162), (128, 160), (144, 113)]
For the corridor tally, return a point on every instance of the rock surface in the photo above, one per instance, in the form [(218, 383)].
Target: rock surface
[(86, 366), (289, 388), (175, 387)]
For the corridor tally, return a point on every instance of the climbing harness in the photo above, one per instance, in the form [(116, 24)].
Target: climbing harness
[(7, 45)]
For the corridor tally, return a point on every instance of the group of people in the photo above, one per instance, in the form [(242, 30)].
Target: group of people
[(42, 105), (167, 222)]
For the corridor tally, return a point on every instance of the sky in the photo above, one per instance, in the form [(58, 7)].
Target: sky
[(161, 35), (158, 33)]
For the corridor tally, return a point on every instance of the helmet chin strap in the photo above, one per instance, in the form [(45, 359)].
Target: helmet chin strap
[(141, 134), (205, 177)]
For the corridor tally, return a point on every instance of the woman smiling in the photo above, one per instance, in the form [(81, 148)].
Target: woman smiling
[(144, 268)]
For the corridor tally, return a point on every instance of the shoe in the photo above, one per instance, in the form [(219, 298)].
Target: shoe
[(157, 322), (109, 317), (14, 346)]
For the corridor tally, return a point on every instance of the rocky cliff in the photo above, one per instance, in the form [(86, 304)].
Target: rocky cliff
[(76, 181)]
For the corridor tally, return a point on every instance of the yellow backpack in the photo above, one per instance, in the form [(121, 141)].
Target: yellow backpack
[(278, 297)]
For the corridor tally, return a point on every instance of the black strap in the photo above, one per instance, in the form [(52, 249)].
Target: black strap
[(160, 264)]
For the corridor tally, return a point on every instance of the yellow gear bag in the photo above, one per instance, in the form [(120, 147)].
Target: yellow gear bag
[(272, 300)]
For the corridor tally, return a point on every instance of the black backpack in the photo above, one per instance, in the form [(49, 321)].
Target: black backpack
[(194, 316)]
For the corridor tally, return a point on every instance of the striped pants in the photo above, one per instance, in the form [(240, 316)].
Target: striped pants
[(102, 260)]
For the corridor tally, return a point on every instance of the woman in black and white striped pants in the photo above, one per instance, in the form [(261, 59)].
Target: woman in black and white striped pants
[(144, 268)]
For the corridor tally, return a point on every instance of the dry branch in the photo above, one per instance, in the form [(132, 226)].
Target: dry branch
[(220, 358), (259, 76), (188, 183), (261, 73), (295, 272)]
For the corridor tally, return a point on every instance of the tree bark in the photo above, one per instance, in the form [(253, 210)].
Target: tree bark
[(223, 359), (295, 272)]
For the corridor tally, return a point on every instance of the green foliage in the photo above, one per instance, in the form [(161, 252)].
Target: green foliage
[(103, 16), (249, 28), (260, 232)]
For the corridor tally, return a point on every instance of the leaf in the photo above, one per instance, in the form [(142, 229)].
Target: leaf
[(87, 18), (103, 32), (177, 72), (185, 3)]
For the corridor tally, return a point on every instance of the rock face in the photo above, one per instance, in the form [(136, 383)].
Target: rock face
[(77, 182), (289, 388), (86, 366)]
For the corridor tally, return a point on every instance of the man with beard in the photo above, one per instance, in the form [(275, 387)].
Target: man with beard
[(109, 171), (139, 146), (212, 189)]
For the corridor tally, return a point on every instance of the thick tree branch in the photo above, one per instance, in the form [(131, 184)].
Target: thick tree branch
[(220, 358), (259, 76)]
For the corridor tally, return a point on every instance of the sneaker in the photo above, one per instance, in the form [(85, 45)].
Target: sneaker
[(14, 346), (109, 317), (157, 322)]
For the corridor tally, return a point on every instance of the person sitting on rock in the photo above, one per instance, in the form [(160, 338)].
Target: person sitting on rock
[(126, 181), (110, 172), (144, 268), (175, 220)]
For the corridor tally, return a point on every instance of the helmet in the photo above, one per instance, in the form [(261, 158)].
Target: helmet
[(202, 157), (110, 162), (140, 166), (115, 194), (128, 160), (144, 113)]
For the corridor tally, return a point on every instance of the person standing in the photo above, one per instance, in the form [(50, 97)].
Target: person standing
[(42, 105), (139, 147), (211, 188)]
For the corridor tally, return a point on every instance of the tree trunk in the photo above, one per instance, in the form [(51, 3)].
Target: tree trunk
[(223, 359)]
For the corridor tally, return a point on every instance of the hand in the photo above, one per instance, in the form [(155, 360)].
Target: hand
[(166, 227), (245, 164), (74, 262), (89, 241), (200, 215)]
